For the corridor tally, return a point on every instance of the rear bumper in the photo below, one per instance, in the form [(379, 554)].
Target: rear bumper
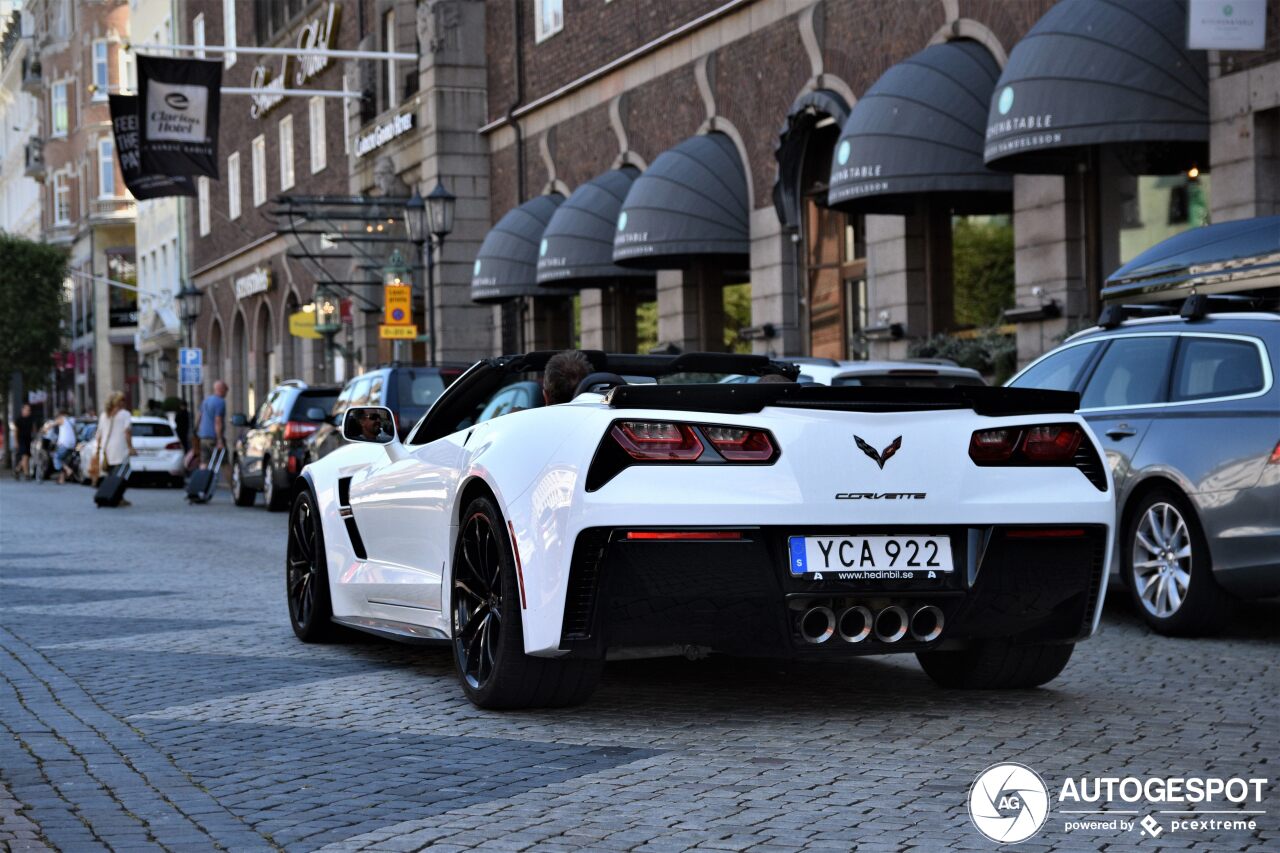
[(167, 462), (738, 596)]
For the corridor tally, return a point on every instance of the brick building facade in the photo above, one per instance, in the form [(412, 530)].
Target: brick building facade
[(77, 58), (576, 88)]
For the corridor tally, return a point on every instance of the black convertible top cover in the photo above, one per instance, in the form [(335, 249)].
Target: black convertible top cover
[(746, 398)]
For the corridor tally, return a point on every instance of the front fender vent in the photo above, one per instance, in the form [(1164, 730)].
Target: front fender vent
[(349, 519)]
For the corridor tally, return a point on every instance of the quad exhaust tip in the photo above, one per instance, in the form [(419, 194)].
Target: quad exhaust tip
[(926, 624), (817, 625), (854, 624), (857, 623), (891, 624)]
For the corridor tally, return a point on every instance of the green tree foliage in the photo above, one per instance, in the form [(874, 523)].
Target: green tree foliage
[(982, 253), (31, 308), (737, 315), (990, 352), (646, 326)]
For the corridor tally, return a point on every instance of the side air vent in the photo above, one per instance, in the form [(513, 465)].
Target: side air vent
[(584, 585), (1086, 459), (348, 518)]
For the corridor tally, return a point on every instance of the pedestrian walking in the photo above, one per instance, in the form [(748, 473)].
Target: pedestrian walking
[(211, 423), (182, 424), (24, 429), (115, 426), (65, 443)]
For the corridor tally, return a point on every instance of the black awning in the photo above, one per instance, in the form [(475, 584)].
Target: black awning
[(577, 245), (1225, 258), (690, 204), (919, 129), (1100, 72), (506, 266), (810, 114)]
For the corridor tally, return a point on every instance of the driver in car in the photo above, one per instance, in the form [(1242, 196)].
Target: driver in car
[(562, 374), (372, 427)]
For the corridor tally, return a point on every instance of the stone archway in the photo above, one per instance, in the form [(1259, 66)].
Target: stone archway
[(264, 369), (240, 398)]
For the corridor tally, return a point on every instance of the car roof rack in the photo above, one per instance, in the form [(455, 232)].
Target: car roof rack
[(1113, 315), (1198, 305)]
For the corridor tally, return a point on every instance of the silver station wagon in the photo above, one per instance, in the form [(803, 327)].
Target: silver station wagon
[(1188, 411)]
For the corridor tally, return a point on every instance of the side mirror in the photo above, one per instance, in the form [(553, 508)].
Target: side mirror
[(373, 424), (315, 413), (239, 420)]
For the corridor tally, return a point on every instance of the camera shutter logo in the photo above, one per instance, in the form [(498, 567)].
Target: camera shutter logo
[(1008, 802)]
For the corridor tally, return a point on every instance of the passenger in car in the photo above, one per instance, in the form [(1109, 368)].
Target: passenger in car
[(562, 374)]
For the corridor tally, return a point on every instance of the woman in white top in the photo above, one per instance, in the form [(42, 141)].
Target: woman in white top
[(115, 435)]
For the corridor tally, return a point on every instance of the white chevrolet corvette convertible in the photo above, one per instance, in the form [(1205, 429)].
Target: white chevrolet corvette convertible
[(663, 513)]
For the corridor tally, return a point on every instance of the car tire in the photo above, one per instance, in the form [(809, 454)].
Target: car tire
[(492, 667), (240, 493), (306, 574), (996, 665), (1173, 589), (273, 497)]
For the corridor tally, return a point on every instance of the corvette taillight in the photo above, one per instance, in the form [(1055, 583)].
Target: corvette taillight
[(1052, 444), (1040, 444), (993, 445), (740, 445), (654, 441), (298, 429)]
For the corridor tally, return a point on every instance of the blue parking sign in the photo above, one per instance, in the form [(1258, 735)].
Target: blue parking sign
[(190, 357)]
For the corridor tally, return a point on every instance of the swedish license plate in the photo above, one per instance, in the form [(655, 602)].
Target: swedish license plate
[(870, 557)]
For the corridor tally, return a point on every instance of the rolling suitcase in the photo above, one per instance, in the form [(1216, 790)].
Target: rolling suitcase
[(111, 489), (204, 481)]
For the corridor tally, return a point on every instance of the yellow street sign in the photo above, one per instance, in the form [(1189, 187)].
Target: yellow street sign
[(397, 300), (302, 324), (398, 333)]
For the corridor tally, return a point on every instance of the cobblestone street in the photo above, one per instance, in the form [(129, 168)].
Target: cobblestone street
[(152, 696)]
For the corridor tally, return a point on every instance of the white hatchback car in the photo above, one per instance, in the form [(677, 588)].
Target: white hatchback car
[(160, 454)]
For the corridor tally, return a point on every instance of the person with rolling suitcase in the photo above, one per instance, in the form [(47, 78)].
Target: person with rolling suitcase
[(204, 481), (116, 428), (211, 426)]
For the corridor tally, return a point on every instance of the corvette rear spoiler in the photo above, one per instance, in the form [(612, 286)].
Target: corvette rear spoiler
[(744, 399)]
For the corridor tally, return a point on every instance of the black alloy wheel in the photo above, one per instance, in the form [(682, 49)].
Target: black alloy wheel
[(306, 576), (487, 626), (477, 600)]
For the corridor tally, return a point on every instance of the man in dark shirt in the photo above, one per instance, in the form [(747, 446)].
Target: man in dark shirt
[(24, 429), (182, 423)]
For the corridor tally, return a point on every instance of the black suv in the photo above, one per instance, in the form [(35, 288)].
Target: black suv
[(407, 391), (268, 452)]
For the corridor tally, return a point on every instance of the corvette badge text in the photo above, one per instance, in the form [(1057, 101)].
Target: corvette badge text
[(1010, 802)]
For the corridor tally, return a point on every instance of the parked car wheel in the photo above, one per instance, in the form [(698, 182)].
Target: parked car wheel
[(997, 665), (307, 575), (488, 638), (1167, 567), (240, 493), (273, 497)]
